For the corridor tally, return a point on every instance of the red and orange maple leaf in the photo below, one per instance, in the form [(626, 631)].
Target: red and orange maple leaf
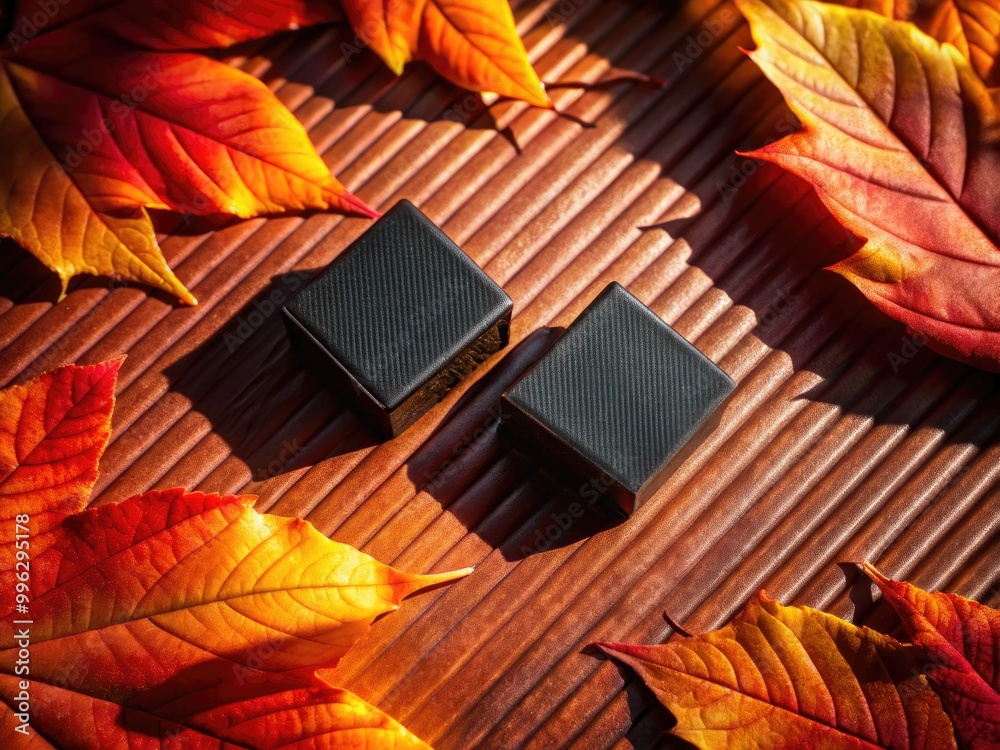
[(900, 140), (792, 677), (962, 640)]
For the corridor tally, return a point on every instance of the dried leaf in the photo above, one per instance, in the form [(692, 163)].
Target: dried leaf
[(792, 677), (902, 141), (962, 640), (473, 44)]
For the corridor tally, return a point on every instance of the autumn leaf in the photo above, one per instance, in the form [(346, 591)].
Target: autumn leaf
[(972, 26), (172, 613), (900, 138), (176, 25), (792, 677), (97, 130), (53, 430), (315, 716), (474, 45), (190, 587), (962, 640)]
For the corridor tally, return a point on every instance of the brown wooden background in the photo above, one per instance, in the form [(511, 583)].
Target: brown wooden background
[(843, 442)]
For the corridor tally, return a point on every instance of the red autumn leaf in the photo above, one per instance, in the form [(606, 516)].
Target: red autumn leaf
[(170, 616), (791, 677), (171, 25), (962, 640), (53, 430), (98, 130), (473, 44), (900, 141)]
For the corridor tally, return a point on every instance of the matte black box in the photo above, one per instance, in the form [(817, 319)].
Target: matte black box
[(397, 319), (616, 397)]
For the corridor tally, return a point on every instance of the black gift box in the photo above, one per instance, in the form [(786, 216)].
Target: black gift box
[(397, 319), (615, 399)]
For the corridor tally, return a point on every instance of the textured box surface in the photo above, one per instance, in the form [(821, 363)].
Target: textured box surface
[(398, 318), (617, 396)]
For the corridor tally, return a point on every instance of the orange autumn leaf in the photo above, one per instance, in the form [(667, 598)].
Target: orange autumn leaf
[(334, 718), (170, 592), (791, 677), (962, 640), (473, 44), (900, 140), (98, 130), (171, 615), (972, 26)]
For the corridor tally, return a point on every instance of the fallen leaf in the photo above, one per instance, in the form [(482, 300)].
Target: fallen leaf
[(53, 431), (171, 616), (314, 716), (888, 8), (192, 587), (972, 26), (171, 25), (962, 640), (792, 677), (474, 45), (901, 140), (97, 130)]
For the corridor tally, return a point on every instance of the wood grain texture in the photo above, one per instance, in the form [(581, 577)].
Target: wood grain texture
[(844, 441)]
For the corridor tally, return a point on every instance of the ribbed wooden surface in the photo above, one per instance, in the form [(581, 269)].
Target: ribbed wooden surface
[(843, 441)]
